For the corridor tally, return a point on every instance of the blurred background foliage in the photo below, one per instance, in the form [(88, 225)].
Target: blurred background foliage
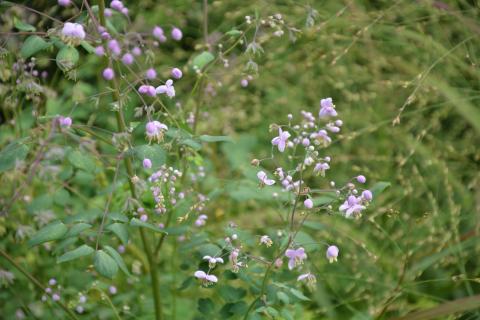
[(404, 76)]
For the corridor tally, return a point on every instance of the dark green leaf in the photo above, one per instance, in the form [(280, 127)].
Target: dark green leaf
[(153, 152), (77, 229), (32, 45), (205, 306), (299, 294), (15, 151), (23, 26), (50, 232), (118, 259), (379, 187), (120, 231), (105, 264), (82, 161), (81, 251)]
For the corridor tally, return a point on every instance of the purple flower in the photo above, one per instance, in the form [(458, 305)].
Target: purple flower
[(52, 282), (73, 30), (155, 130), (295, 257), (281, 140), (64, 3), (108, 12), (116, 5), (309, 278), (112, 289), (55, 297), (352, 206), (367, 195), (201, 220), (206, 279), (177, 34), (157, 32), (150, 74), (361, 179), (99, 51), (320, 168), (168, 89), (114, 47), (177, 73), (262, 176), (148, 90), (82, 299), (212, 261), (147, 163), (125, 11), (327, 108), (65, 122), (244, 83), (144, 217), (127, 59), (136, 51), (108, 74), (266, 241), (332, 253), (308, 203)]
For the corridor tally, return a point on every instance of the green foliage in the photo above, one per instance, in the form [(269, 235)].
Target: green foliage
[(50, 232), (32, 45), (79, 252), (105, 264)]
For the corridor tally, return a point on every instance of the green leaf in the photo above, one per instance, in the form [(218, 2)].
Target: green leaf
[(207, 138), (61, 197), (155, 153), (282, 296), (231, 294), (77, 229), (118, 259), (67, 58), (379, 187), (139, 223), (82, 161), (32, 45), (205, 306), (115, 216), (50, 232), (81, 251), (23, 26), (120, 231), (233, 32), (13, 152), (203, 59), (105, 264), (299, 294), (87, 46)]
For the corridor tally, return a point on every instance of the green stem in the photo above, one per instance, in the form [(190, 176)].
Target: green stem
[(36, 282)]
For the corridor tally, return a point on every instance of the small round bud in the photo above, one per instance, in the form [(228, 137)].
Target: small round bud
[(361, 179), (108, 74), (147, 163), (308, 203), (177, 34), (177, 73)]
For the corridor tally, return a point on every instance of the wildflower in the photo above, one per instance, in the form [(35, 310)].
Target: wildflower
[(327, 108), (201, 220), (82, 299), (144, 217), (168, 89), (244, 83), (361, 179), (332, 253), (64, 122), (155, 130), (55, 297), (158, 33), (234, 260), (177, 34), (150, 74), (295, 257), (367, 195), (309, 278), (176, 73), (278, 263), (320, 168), (262, 176), (212, 261), (127, 59), (147, 163), (148, 90), (207, 279), (266, 241), (136, 51), (108, 12), (114, 47), (52, 282), (281, 140), (125, 11), (79, 309), (116, 5), (99, 51), (121, 249), (352, 206), (308, 203), (73, 33), (112, 290), (64, 3), (108, 74)]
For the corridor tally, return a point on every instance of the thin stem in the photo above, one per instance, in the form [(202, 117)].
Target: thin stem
[(205, 23), (36, 282)]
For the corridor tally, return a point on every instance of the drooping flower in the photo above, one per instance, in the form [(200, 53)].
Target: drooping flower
[(155, 130), (207, 279), (234, 260), (281, 140), (309, 278), (177, 34), (212, 261), (167, 88), (266, 240), (367, 195), (352, 206), (320, 168), (332, 253), (262, 176), (73, 33), (327, 108), (295, 257), (308, 203)]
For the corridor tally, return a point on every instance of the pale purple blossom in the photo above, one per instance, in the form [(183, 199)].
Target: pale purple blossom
[(327, 108), (281, 140), (206, 279), (147, 163), (99, 51), (158, 33), (201, 220), (167, 88), (309, 278), (176, 73), (112, 290), (82, 299), (352, 206), (320, 168), (332, 253), (155, 130), (116, 5), (55, 297), (266, 240), (244, 83), (73, 30), (367, 195), (64, 3), (144, 217), (295, 257), (147, 90), (262, 176), (361, 179), (150, 74), (114, 47), (308, 203), (79, 309), (65, 122), (52, 282), (177, 34), (212, 261), (108, 74), (127, 59)]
